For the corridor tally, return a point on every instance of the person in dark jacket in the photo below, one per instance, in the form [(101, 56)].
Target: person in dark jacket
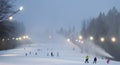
[(95, 60), (52, 54)]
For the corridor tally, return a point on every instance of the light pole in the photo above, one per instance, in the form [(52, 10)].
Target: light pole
[(20, 9), (10, 16)]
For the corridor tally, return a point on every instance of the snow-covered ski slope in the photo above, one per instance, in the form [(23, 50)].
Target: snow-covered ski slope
[(64, 53)]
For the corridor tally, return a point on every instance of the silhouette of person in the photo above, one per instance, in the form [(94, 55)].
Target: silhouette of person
[(52, 54), (108, 61), (95, 60), (86, 60), (25, 54), (35, 53)]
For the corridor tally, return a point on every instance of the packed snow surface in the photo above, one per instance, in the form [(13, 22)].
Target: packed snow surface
[(63, 53)]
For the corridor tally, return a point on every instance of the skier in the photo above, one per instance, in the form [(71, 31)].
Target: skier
[(86, 60), (95, 60), (52, 54), (35, 53), (108, 61), (25, 54)]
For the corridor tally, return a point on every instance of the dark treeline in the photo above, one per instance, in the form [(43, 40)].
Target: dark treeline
[(104, 25), (9, 29)]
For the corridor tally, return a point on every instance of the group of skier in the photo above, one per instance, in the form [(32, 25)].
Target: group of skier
[(87, 60), (48, 54), (26, 54), (57, 54), (95, 60)]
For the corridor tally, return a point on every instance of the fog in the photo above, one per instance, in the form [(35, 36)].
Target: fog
[(39, 16), (93, 49)]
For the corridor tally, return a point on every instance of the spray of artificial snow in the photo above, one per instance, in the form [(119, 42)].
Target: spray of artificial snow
[(91, 48)]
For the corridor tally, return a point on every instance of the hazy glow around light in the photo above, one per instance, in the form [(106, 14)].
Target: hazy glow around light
[(3, 40), (91, 38), (21, 8), (102, 39), (10, 18), (20, 38), (24, 37), (113, 39), (27, 37), (80, 37), (17, 38), (68, 40)]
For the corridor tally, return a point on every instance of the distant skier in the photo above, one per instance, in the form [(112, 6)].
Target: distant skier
[(52, 54), (87, 59), (25, 54), (35, 53), (108, 61), (95, 60)]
